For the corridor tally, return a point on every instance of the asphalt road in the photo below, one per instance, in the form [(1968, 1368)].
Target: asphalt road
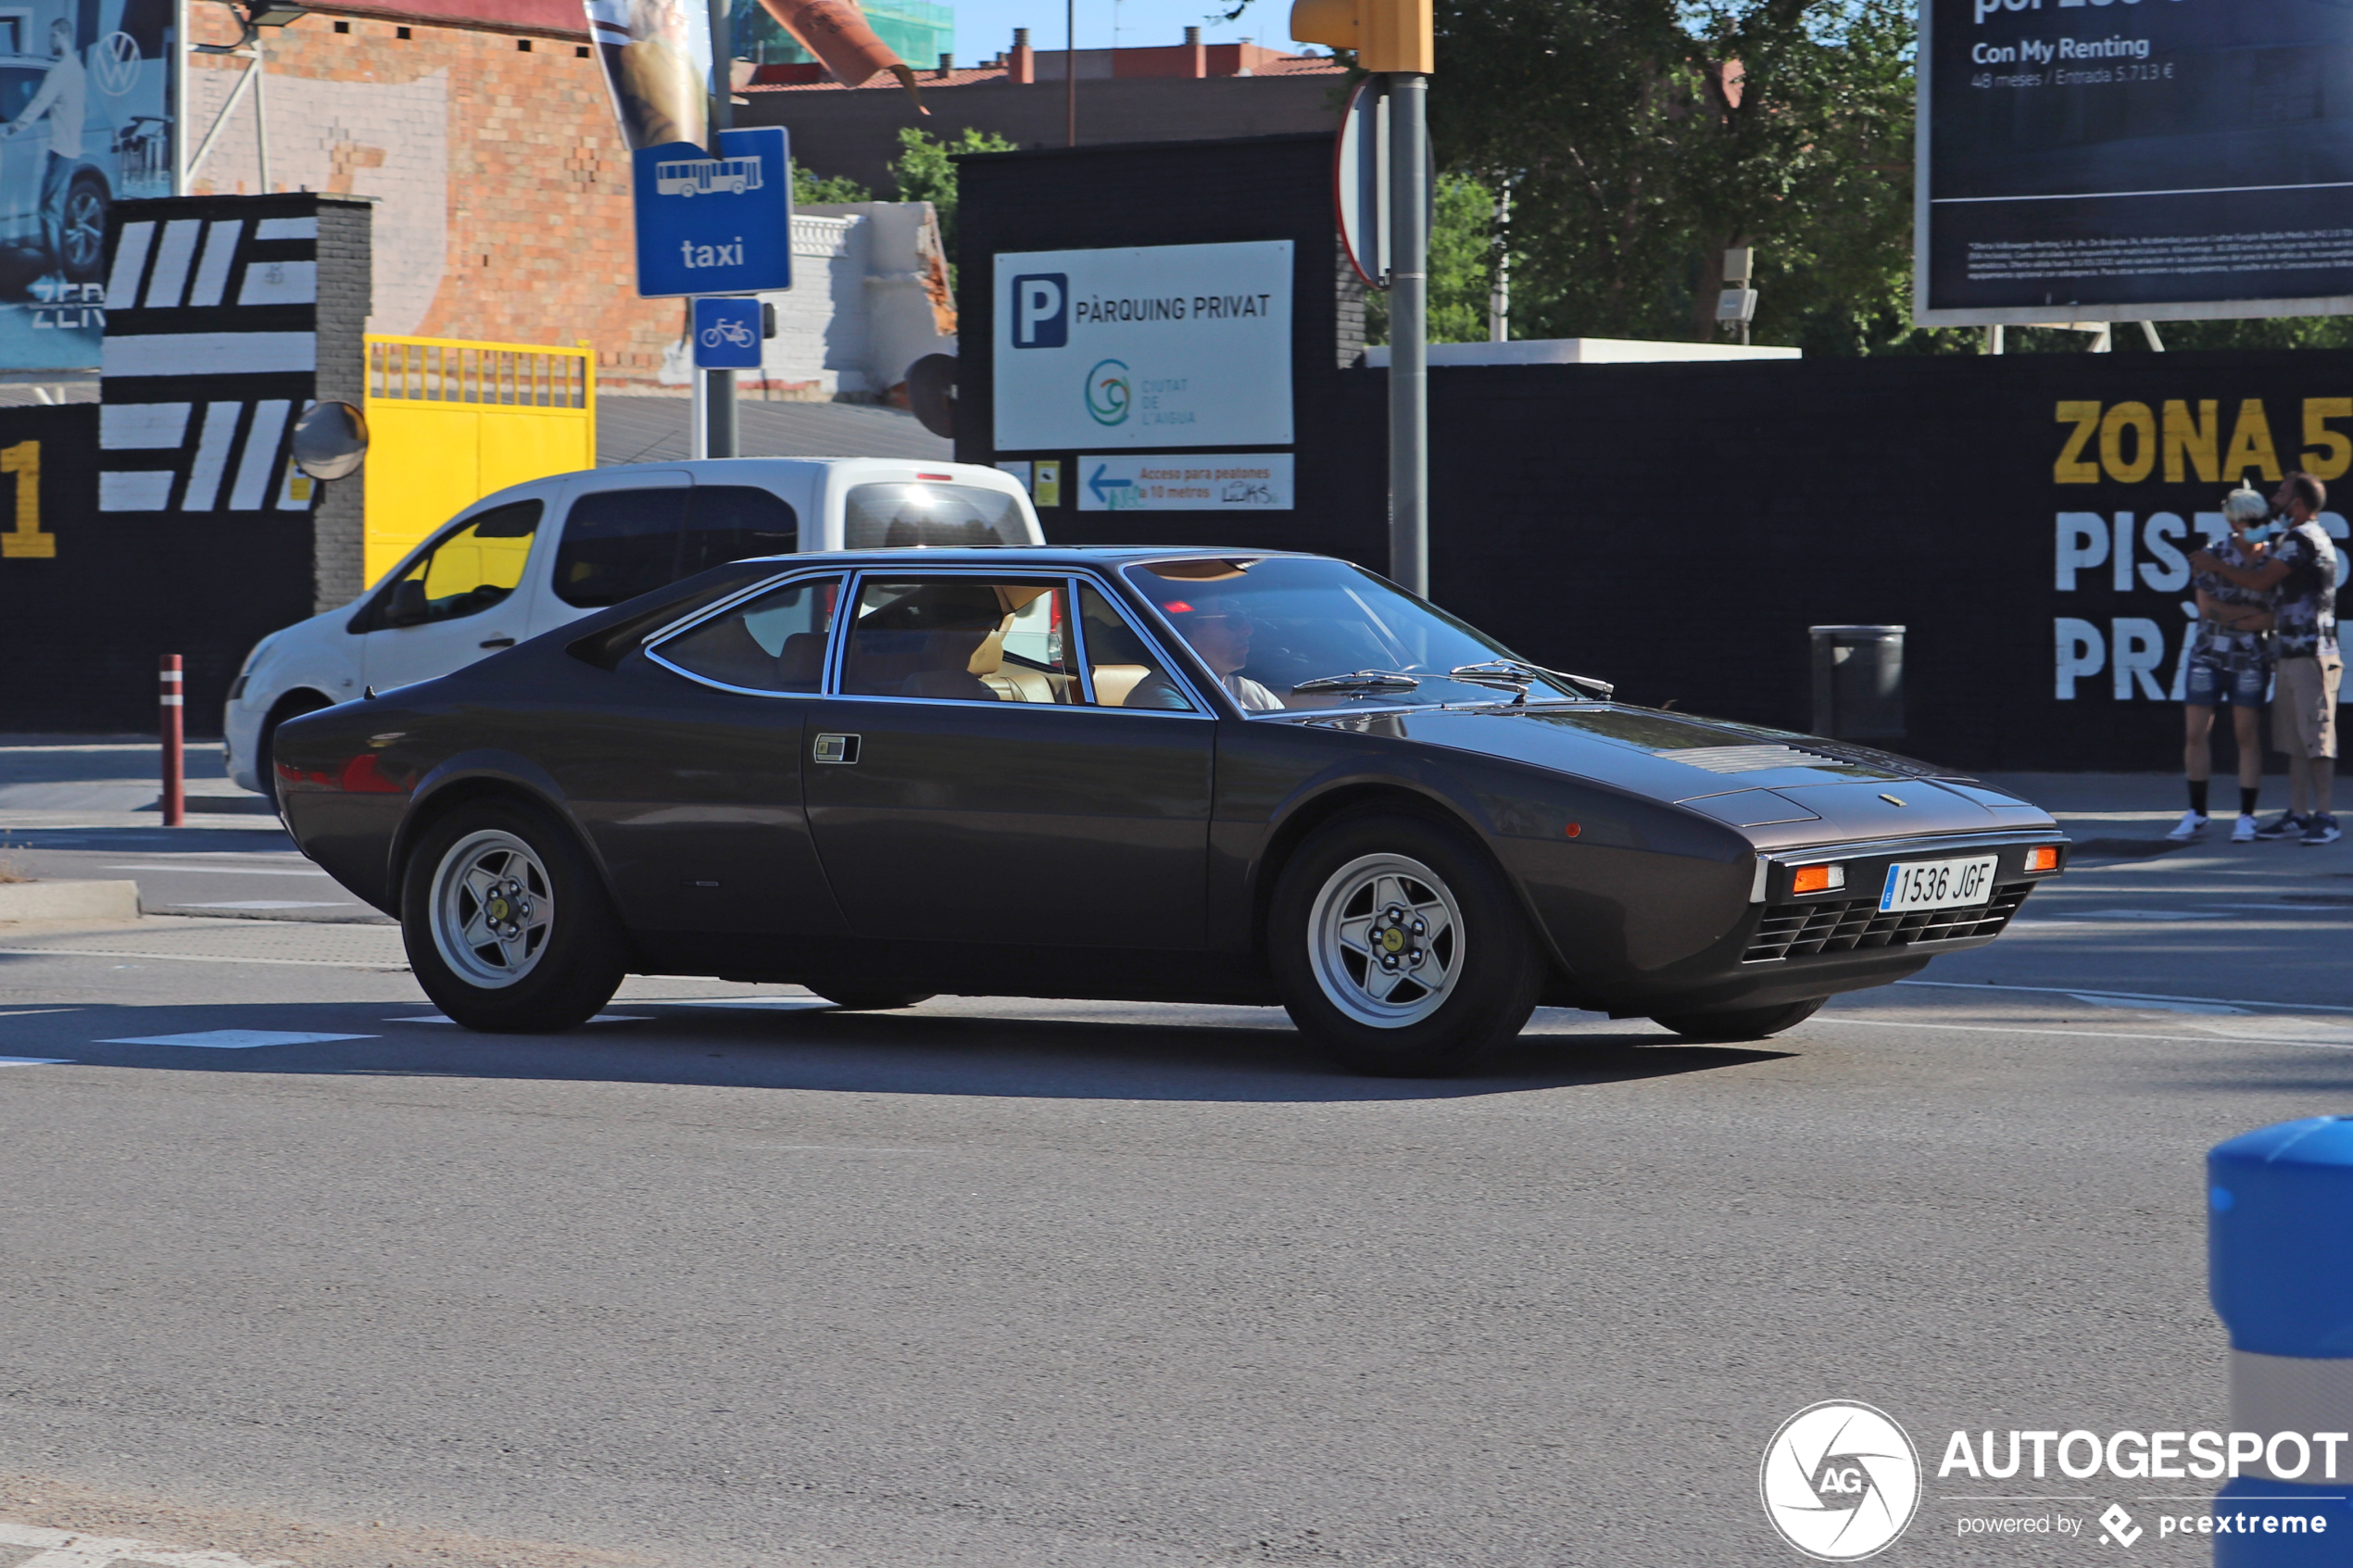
[(734, 1279)]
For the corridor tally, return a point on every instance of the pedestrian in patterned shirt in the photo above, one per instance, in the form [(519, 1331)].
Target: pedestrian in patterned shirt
[(2229, 663), (2301, 564)]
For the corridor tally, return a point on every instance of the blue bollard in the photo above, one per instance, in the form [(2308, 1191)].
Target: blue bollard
[(2280, 1269)]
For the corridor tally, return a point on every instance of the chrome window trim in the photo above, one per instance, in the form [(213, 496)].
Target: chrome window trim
[(1174, 668), (838, 653), (649, 643)]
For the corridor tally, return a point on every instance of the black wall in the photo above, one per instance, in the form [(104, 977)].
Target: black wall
[(1675, 528)]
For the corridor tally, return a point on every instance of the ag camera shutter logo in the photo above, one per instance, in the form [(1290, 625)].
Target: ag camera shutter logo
[(1041, 310), (1841, 1481)]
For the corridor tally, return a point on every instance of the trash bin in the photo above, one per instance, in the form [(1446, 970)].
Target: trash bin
[(1858, 682)]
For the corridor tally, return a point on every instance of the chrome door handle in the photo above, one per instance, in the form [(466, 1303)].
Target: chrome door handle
[(837, 749), (498, 642)]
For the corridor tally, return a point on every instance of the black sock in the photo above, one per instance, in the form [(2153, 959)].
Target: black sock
[(2246, 800), (2197, 795)]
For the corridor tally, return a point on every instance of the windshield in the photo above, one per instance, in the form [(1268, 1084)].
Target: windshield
[(1269, 626)]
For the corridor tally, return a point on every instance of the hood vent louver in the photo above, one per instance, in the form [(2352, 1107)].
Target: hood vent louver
[(1750, 758)]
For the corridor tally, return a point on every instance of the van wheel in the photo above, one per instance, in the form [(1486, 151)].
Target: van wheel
[(1398, 948), (508, 926), (1739, 1023)]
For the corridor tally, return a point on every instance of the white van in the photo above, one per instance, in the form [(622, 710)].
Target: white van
[(534, 555)]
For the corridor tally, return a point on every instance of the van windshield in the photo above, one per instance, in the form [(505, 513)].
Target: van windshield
[(1290, 633), (900, 516)]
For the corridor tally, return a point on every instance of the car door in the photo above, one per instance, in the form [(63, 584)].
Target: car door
[(974, 780), (690, 785), (455, 603)]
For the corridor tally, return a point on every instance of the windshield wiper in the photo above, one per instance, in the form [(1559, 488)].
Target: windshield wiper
[(1361, 680), (1518, 675)]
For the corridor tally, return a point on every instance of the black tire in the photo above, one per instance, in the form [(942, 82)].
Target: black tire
[(557, 983), (850, 998), (1739, 1023), (82, 228), (1491, 971)]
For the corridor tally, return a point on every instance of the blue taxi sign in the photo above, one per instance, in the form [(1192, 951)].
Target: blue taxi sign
[(714, 224)]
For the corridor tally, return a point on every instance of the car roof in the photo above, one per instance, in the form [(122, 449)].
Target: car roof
[(1028, 557)]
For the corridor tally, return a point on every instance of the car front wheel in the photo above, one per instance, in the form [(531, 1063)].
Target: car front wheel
[(508, 929), (1398, 948)]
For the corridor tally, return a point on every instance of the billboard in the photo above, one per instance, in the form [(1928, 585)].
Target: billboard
[(2148, 160), (1152, 346), (87, 118)]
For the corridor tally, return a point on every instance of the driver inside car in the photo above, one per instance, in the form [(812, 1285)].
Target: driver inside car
[(1219, 632)]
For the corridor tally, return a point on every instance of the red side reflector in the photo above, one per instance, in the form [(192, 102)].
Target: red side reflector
[(1573, 830), (2042, 858)]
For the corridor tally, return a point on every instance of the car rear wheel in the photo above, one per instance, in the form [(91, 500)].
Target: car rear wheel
[(508, 927), (1740, 1024), (849, 998), (1397, 947)]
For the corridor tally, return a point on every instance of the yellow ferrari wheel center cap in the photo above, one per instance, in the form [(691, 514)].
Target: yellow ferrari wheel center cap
[(497, 909), (1393, 939)]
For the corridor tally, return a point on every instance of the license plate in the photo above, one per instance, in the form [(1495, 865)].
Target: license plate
[(1937, 884)]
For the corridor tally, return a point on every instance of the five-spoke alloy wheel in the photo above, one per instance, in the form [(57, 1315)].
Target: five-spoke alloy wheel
[(507, 923), (1399, 948)]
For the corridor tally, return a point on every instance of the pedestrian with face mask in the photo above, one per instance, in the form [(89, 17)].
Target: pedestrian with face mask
[(2300, 564), (2230, 664)]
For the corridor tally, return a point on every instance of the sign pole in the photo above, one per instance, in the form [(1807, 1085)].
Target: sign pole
[(716, 405), (1408, 334)]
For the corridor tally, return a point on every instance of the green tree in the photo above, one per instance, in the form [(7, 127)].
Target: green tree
[(925, 170), (1462, 266), (809, 187)]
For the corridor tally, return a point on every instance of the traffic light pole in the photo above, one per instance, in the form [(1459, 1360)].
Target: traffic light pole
[(715, 410), (1408, 334)]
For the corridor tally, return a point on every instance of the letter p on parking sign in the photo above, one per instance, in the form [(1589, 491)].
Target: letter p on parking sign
[(1041, 310)]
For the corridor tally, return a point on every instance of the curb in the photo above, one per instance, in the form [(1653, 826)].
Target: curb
[(68, 900)]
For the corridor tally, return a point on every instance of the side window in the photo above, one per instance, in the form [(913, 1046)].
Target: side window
[(1125, 669), (619, 544), (961, 639), (466, 573), (774, 643), (728, 522), (902, 516)]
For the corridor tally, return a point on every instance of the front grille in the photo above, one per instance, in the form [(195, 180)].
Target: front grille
[(1789, 931)]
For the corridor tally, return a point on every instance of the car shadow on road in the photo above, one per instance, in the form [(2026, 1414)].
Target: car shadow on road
[(820, 1048)]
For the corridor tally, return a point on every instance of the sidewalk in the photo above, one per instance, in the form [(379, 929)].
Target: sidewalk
[(115, 782)]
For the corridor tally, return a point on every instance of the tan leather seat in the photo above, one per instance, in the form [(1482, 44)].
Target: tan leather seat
[(1113, 682), (1012, 682)]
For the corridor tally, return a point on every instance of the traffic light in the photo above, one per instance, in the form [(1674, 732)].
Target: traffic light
[(1386, 34)]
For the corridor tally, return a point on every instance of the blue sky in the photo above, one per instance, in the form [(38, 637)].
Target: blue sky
[(985, 26)]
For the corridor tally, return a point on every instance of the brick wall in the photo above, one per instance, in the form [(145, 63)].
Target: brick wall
[(500, 182)]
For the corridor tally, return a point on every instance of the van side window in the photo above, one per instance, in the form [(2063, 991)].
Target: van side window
[(619, 544), (467, 572)]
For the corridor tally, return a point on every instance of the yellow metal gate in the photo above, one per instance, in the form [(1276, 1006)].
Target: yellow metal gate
[(449, 421)]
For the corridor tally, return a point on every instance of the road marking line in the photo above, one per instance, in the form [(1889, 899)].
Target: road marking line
[(234, 1039), (269, 904), (601, 1018), (2080, 991), (223, 871), (2090, 1033), (373, 965), (78, 1549), (34, 1060)]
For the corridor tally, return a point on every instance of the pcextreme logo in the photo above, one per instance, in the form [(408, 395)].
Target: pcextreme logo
[(1840, 1481)]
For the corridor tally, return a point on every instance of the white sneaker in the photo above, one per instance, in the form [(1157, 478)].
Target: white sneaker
[(2245, 832), (2189, 827)]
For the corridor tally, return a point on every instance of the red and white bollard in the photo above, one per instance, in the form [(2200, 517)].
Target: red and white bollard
[(175, 762)]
